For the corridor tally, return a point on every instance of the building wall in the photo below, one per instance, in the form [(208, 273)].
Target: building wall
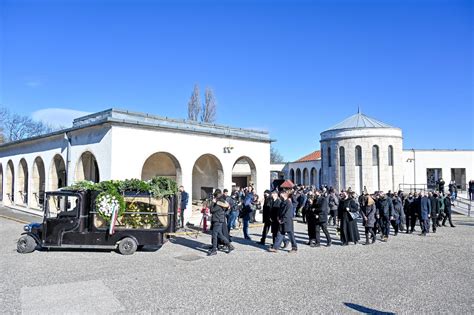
[(415, 165)]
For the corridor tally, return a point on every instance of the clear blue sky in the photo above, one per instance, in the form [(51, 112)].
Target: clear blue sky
[(293, 68)]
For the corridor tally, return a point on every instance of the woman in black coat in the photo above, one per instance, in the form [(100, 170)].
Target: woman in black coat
[(367, 211), (348, 225)]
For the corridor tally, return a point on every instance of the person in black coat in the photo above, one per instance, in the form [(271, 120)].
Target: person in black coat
[(367, 211), (311, 220), (321, 210), (348, 225), (274, 212), (447, 212), (385, 213), (184, 196), (267, 222), (410, 218), (218, 219), (434, 209), (285, 218)]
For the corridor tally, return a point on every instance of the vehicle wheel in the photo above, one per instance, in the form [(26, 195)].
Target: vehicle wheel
[(26, 244), (127, 246)]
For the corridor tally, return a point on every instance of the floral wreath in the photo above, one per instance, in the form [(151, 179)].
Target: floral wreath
[(106, 202)]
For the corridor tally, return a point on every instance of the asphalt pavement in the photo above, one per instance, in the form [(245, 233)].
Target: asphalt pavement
[(409, 275)]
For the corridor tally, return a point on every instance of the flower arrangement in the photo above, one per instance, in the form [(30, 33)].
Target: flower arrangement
[(107, 201)]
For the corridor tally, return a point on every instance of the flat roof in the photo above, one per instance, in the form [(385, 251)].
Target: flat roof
[(128, 118)]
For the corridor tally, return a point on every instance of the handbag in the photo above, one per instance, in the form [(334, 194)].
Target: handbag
[(354, 215)]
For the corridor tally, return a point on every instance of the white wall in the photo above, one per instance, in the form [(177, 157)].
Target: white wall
[(444, 159)]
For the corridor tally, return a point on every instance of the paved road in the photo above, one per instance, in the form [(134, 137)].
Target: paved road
[(409, 274)]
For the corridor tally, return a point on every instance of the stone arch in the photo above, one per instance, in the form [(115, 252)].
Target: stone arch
[(305, 177), (1, 182), (57, 173), (244, 172), (38, 181), (22, 181), (208, 174), (298, 177), (87, 168), (162, 164), (292, 175), (314, 176), (10, 182)]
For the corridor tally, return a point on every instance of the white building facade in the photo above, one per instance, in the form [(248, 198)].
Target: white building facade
[(116, 144)]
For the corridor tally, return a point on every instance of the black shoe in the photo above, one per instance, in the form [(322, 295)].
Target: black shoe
[(328, 244), (317, 245), (312, 244), (260, 243), (344, 244), (212, 253), (248, 238), (230, 248), (395, 234), (453, 226)]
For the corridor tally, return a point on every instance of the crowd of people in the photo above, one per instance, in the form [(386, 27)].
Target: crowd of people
[(378, 213)]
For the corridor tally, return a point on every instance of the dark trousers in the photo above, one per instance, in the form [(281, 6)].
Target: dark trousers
[(434, 222), (266, 229), (385, 226), (425, 226), (413, 222), (447, 216), (395, 225), (311, 227), (333, 214), (181, 217), (369, 231), (217, 229), (279, 239), (324, 227)]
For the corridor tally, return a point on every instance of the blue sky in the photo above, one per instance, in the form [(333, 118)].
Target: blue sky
[(293, 68)]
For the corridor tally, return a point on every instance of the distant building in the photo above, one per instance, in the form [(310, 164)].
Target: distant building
[(116, 144), (364, 152)]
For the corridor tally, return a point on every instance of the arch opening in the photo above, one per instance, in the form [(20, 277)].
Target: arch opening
[(162, 164), (298, 176), (10, 182), (314, 176), (87, 168), (57, 173), (22, 182), (208, 174), (1, 182), (244, 173), (305, 177), (292, 175), (38, 182)]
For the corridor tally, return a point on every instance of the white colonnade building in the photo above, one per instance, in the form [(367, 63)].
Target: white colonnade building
[(117, 144)]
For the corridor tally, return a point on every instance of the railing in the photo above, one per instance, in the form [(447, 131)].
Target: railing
[(412, 187), (462, 201)]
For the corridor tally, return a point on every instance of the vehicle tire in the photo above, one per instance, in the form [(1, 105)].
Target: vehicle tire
[(127, 246), (26, 244)]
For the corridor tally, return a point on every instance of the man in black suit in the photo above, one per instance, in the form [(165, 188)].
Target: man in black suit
[(321, 209), (285, 218), (183, 204), (218, 220)]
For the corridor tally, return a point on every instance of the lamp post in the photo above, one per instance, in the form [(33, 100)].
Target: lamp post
[(410, 160)]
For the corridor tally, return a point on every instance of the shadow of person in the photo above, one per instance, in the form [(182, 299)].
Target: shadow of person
[(190, 243), (366, 310)]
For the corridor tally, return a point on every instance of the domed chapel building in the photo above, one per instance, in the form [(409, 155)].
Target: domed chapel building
[(363, 153)]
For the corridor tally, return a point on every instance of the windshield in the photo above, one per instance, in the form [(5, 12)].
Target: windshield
[(62, 206)]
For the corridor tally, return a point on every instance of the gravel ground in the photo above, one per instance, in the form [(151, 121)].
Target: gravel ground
[(409, 274)]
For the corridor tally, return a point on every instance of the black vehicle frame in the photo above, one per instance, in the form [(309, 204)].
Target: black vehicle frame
[(76, 226)]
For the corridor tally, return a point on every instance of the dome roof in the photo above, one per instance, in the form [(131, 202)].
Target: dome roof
[(359, 120)]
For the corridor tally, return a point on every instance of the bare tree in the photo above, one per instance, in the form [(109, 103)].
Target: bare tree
[(194, 104), (17, 127), (275, 156), (208, 114)]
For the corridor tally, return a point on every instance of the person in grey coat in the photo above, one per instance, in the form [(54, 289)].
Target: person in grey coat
[(367, 212), (425, 211), (385, 211)]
